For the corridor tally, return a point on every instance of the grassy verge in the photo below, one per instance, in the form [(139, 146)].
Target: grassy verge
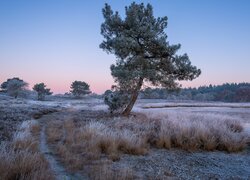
[(21, 159)]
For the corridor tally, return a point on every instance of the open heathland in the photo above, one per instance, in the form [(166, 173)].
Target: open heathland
[(80, 139)]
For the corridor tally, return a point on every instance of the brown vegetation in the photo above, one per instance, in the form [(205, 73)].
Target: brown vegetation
[(54, 132), (196, 131), (21, 159), (81, 144), (23, 164)]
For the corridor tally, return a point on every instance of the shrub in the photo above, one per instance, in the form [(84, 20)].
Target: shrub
[(14, 87), (116, 100)]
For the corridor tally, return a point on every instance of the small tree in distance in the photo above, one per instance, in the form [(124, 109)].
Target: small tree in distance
[(144, 55), (14, 87), (41, 90), (79, 88)]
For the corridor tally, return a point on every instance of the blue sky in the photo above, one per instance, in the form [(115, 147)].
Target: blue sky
[(57, 41)]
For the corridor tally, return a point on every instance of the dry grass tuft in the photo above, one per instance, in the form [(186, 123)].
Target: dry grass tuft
[(72, 161), (196, 131), (23, 164), (21, 159), (29, 144), (54, 132), (112, 141), (35, 129)]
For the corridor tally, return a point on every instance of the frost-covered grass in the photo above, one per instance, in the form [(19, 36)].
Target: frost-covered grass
[(21, 158), (89, 139), (193, 131), (25, 130), (84, 103), (111, 141), (95, 145), (80, 143), (92, 140), (22, 164)]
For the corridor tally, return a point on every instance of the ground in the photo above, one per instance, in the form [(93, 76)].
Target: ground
[(79, 139)]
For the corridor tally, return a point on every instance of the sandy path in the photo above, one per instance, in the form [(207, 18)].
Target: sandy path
[(59, 171), (55, 165)]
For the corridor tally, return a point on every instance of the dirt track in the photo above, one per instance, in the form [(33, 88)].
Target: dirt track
[(55, 164)]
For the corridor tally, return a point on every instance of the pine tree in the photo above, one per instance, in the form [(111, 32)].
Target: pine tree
[(144, 55), (42, 91), (79, 88), (14, 86)]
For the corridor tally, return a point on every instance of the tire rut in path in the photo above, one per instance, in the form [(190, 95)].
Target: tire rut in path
[(56, 167)]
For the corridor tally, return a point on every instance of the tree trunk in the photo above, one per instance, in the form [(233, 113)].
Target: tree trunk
[(134, 96)]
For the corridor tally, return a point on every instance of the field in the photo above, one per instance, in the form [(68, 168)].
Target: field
[(79, 139)]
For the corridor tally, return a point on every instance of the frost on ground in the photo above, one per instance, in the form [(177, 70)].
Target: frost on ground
[(20, 157), (14, 111), (154, 143), (160, 103), (151, 144), (24, 131)]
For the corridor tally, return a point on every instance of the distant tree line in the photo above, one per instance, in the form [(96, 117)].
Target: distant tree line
[(16, 87), (226, 93)]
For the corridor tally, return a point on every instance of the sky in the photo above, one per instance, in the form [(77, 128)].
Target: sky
[(57, 41)]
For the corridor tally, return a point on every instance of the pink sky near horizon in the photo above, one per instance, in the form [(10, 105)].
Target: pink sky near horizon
[(99, 86), (57, 42), (62, 85)]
